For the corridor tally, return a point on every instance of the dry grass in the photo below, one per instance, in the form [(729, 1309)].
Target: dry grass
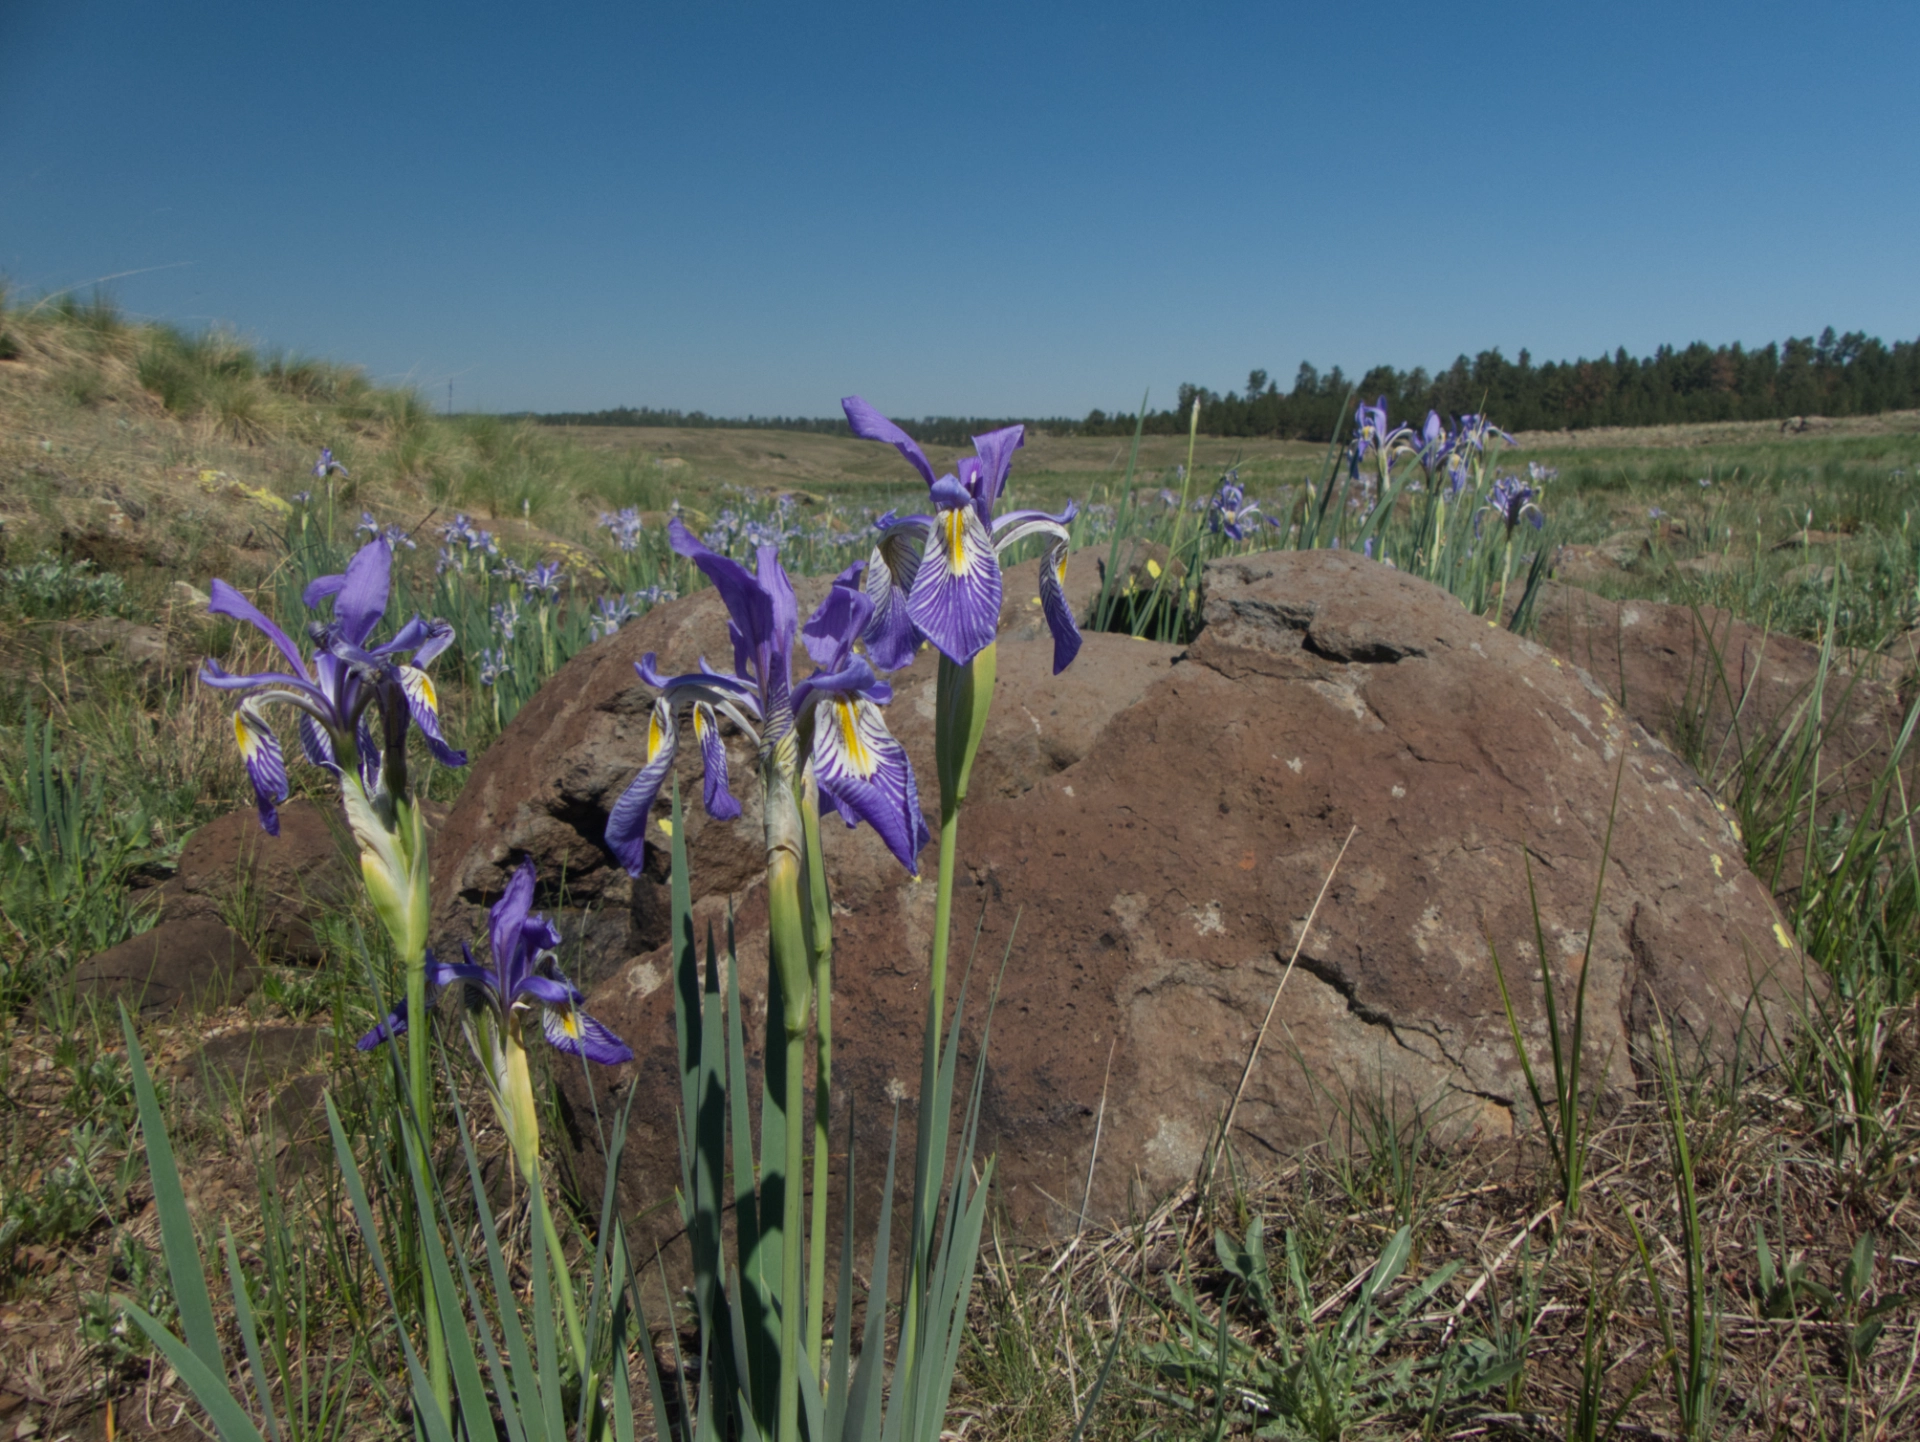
[(1784, 1370)]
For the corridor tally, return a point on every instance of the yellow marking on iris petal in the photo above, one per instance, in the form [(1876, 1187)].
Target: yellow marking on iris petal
[(245, 736), (959, 559), (570, 1024), (656, 736), (424, 684), (1780, 935), (859, 757)]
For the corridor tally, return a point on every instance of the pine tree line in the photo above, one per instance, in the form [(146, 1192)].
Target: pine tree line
[(1834, 375), (1844, 375)]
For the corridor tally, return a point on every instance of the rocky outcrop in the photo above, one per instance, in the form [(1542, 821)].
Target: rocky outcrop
[(1146, 839)]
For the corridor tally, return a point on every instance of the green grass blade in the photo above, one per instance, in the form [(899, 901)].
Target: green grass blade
[(545, 1350), (473, 1401), (863, 1396), (755, 1369), (1092, 1404), (209, 1388), (750, 1415), (524, 1424), (184, 1265), (426, 1410), (839, 1368), (249, 1334)]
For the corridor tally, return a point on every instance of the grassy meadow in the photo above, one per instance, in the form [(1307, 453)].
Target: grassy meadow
[(1736, 1253)]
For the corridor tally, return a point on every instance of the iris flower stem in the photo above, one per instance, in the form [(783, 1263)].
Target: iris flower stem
[(788, 957), (930, 1067), (793, 1219), (1506, 574), (962, 697), (420, 1084), (818, 915)]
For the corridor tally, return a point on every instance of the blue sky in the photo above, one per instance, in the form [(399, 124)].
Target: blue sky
[(1026, 209)]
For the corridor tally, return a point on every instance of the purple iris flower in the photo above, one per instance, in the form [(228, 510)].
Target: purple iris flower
[(327, 465), (545, 578), (1433, 443), (938, 576), (1372, 433), (833, 716), (1228, 512), (1477, 430), (610, 613), (625, 525), (1513, 501), (525, 974), (332, 693)]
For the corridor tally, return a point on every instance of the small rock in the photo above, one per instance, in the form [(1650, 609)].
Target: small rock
[(196, 963), (104, 515), (1578, 563), (142, 647), (186, 596), (285, 883), (1799, 540), (243, 1062), (1710, 564)]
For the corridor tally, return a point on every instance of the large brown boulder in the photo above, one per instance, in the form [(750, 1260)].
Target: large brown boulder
[(1159, 822)]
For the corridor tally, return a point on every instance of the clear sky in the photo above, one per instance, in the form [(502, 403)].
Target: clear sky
[(1027, 209)]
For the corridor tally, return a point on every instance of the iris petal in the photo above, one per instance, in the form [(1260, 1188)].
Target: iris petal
[(266, 767), (225, 601), (839, 619), (995, 450), (572, 1031), (1053, 605), (890, 636), (868, 775), (394, 1024), (362, 597), (551, 991), (870, 425), (318, 745), (424, 707), (719, 799), (627, 822), (504, 924), (956, 593)]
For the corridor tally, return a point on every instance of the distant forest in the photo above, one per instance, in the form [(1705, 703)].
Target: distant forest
[(1833, 375)]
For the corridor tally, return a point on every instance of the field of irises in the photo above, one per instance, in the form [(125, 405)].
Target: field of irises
[(204, 546)]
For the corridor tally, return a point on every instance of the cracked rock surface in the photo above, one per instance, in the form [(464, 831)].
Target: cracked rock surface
[(1160, 820)]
